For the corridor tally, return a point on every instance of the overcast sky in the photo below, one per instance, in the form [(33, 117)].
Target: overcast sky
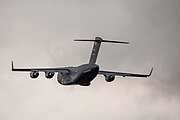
[(40, 33)]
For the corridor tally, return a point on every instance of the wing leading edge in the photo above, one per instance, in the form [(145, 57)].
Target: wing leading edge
[(62, 70), (125, 74)]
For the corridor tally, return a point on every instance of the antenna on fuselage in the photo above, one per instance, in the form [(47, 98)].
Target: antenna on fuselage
[(96, 47)]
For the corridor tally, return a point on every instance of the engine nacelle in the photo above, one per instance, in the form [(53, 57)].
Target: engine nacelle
[(109, 78), (34, 74), (49, 74)]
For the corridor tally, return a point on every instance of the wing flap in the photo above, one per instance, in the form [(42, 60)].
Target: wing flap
[(62, 70), (124, 74)]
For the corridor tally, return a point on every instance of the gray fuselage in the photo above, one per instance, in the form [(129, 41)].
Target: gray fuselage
[(80, 75)]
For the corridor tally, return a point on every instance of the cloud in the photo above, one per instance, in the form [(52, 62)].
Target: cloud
[(40, 33)]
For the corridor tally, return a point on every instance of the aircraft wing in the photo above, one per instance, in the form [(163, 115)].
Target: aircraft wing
[(124, 74), (61, 70)]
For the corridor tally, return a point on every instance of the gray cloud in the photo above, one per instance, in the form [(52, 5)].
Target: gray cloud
[(40, 33)]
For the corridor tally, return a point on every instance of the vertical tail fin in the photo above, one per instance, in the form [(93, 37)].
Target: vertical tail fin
[(96, 47), (95, 50)]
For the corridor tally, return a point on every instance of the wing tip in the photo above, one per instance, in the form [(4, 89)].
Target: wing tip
[(150, 72), (12, 66)]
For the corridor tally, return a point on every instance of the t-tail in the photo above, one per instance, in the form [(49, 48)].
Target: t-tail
[(96, 47)]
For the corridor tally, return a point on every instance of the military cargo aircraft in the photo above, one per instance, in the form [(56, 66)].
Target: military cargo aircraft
[(83, 74)]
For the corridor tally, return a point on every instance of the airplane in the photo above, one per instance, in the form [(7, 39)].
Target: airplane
[(83, 74)]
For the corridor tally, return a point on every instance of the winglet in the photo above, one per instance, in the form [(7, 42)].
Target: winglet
[(12, 66), (150, 72)]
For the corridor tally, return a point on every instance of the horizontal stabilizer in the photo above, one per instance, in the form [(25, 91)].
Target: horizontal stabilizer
[(97, 43), (101, 40)]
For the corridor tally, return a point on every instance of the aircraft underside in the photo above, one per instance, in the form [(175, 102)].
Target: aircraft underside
[(81, 75)]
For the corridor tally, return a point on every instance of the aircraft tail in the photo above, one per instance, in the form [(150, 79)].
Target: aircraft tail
[(96, 47)]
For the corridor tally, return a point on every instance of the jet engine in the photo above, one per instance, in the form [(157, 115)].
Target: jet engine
[(109, 78), (34, 74), (49, 74)]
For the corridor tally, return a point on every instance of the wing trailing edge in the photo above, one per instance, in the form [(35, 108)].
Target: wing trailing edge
[(124, 74), (62, 69)]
